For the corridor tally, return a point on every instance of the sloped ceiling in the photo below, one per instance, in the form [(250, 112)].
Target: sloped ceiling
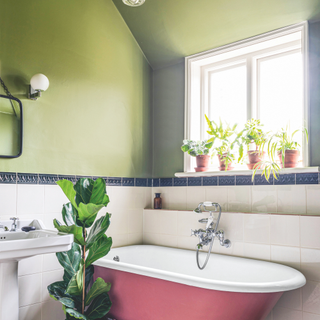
[(169, 30)]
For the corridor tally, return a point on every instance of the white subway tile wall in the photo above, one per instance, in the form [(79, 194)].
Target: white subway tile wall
[(271, 235), (285, 231)]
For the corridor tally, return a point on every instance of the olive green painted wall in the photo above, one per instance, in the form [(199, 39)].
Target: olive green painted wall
[(169, 112), (95, 118), (169, 30)]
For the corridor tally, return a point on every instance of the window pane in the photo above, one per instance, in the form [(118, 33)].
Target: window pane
[(280, 93), (228, 95)]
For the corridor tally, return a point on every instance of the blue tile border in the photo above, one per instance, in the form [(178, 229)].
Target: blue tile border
[(244, 181), (195, 182), (210, 181), (227, 181), (141, 182), (114, 181), (27, 178), (128, 182), (307, 178), (180, 182), (166, 182), (8, 177), (236, 180)]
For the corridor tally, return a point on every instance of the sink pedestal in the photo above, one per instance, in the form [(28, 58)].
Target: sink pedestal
[(9, 291)]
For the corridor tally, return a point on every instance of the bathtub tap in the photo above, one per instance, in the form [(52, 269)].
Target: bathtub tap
[(206, 236)]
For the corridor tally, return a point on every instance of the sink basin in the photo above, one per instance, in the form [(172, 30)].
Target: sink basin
[(17, 245)]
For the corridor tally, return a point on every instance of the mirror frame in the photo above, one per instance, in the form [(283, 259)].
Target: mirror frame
[(21, 127)]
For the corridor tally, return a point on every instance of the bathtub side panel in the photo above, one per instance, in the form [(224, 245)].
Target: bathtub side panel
[(139, 297)]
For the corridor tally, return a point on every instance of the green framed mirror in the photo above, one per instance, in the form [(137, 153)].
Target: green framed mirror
[(11, 127)]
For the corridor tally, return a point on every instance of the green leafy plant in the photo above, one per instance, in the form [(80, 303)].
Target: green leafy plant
[(79, 300), (278, 143), (253, 133), (196, 148), (224, 139)]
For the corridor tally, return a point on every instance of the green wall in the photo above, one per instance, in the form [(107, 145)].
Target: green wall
[(95, 118), (169, 111)]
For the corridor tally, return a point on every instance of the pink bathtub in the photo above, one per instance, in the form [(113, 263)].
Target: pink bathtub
[(158, 283)]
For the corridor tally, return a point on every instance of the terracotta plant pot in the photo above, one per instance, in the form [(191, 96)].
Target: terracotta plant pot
[(291, 158), (222, 163), (255, 157), (202, 163)]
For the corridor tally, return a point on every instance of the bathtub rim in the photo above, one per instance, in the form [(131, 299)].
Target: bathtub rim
[(278, 286)]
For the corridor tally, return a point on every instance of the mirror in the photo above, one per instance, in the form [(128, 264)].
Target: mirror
[(11, 125)]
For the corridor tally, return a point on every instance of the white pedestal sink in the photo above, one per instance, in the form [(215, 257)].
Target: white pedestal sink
[(17, 245)]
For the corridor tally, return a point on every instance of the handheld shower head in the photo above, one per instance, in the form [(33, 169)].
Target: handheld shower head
[(197, 210)]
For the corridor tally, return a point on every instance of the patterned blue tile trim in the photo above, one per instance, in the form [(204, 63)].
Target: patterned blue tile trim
[(149, 182), (28, 178), (79, 177), (227, 181), (285, 179), (128, 182), (114, 181), (48, 178), (166, 182), (8, 177), (141, 182), (261, 180), (180, 182), (210, 181), (73, 179), (195, 182), (156, 182), (307, 178), (244, 181)]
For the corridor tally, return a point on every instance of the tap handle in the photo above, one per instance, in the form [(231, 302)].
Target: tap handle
[(14, 219), (194, 233)]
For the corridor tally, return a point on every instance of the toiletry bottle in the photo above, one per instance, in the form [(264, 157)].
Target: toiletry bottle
[(157, 201)]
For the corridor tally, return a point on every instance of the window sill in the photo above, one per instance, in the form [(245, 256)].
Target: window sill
[(243, 172)]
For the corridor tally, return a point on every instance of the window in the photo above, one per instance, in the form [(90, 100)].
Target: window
[(263, 77)]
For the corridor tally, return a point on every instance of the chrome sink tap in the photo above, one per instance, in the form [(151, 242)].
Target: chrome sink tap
[(14, 224), (206, 237)]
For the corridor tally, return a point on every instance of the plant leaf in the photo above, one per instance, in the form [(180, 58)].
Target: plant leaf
[(99, 307), (75, 314), (67, 188), (69, 214), (57, 292), (89, 275), (75, 230), (98, 229), (99, 249), (83, 189), (99, 287), (88, 212), (70, 260), (99, 195)]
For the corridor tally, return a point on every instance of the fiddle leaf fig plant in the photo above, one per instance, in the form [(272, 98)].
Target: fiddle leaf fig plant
[(79, 301)]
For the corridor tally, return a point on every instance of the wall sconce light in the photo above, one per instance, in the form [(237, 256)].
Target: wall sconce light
[(133, 3), (39, 82)]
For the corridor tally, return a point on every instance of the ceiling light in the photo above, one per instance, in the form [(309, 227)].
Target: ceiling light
[(133, 3)]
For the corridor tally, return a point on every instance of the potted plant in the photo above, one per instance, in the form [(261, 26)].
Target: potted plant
[(79, 299), (200, 150), (283, 144), (224, 139), (255, 139)]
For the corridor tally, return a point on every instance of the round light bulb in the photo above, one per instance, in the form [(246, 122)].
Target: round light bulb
[(133, 3), (39, 82)]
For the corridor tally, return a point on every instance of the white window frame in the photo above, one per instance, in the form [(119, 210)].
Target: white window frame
[(197, 68)]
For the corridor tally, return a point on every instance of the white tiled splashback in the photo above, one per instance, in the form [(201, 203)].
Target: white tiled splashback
[(45, 202), (290, 239)]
